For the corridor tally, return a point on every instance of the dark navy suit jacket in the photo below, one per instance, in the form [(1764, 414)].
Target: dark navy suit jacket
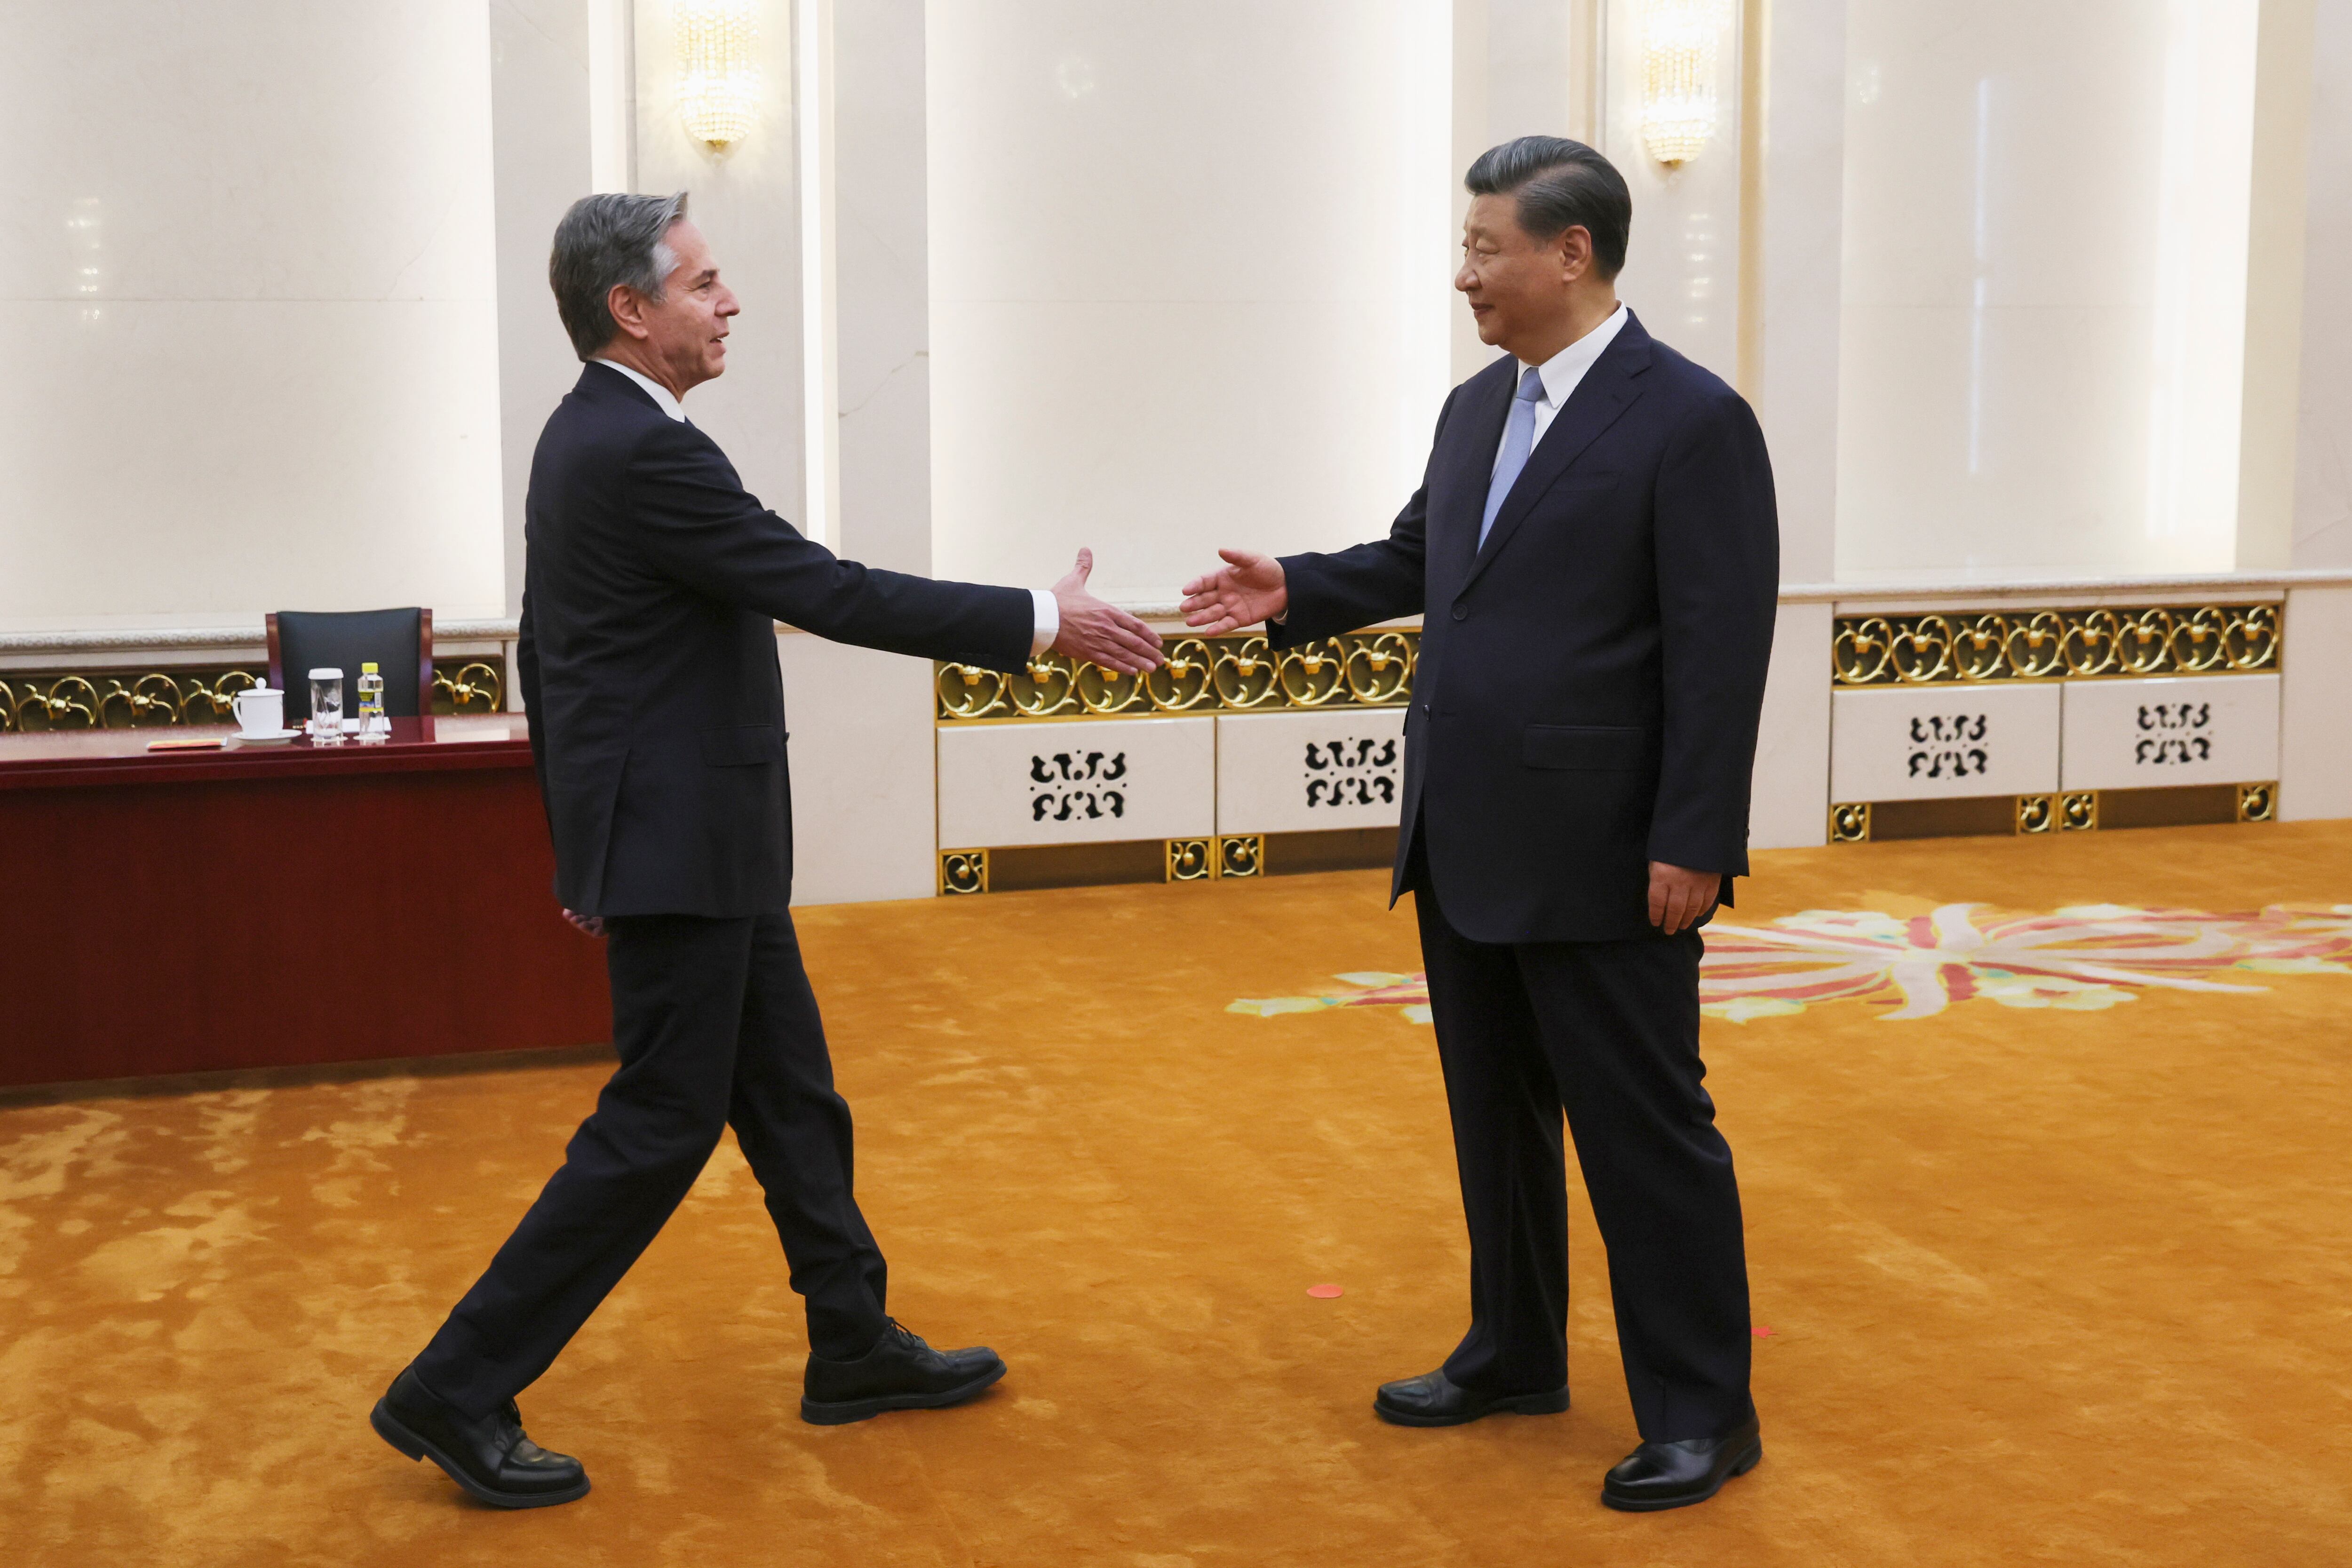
[(652, 585), (1591, 680)]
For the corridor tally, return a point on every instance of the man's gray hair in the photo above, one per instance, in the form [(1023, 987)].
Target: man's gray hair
[(605, 241)]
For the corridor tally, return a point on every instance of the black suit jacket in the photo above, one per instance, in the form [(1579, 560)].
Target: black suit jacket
[(1589, 681), (652, 587)]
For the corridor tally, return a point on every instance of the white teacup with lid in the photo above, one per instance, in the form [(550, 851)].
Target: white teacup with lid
[(260, 712)]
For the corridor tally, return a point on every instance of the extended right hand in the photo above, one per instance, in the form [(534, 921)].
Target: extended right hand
[(1247, 589), (1098, 631)]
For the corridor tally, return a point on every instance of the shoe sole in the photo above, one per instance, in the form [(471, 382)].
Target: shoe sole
[(1747, 1462), (1550, 1404), (388, 1427), (842, 1412)]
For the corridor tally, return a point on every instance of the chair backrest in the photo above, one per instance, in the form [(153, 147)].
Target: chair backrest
[(399, 642)]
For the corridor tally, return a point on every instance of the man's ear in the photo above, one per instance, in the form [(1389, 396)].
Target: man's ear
[(628, 309), (1575, 252)]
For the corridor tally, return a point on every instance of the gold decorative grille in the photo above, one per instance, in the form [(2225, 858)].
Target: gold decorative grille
[(2055, 645), (119, 699), (469, 686), (132, 699), (1242, 855), (1191, 860), (1202, 675)]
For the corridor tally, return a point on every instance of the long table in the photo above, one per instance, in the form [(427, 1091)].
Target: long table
[(173, 911)]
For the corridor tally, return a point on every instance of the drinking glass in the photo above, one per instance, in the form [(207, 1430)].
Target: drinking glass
[(325, 707)]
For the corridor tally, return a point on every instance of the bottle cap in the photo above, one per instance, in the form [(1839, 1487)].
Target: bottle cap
[(368, 668)]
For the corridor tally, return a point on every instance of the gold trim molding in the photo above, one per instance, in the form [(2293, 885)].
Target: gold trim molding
[(1202, 675), (2055, 645), (35, 700)]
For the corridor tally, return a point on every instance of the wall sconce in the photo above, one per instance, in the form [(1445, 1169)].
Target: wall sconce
[(1679, 102), (718, 83)]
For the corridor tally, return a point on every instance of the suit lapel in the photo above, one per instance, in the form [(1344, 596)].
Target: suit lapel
[(1608, 389), (1486, 403)]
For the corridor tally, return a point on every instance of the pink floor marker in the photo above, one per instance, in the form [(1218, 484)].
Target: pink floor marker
[(1324, 1292), (1763, 1332)]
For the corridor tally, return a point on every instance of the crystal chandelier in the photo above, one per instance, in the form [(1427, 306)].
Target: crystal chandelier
[(1679, 50), (718, 84)]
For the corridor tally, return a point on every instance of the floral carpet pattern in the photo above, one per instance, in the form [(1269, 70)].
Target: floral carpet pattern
[(2080, 959)]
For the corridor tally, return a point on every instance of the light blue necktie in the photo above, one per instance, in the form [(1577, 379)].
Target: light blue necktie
[(1518, 440)]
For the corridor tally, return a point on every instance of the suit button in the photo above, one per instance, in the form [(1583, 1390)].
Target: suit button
[(1460, 612), (1425, 707)]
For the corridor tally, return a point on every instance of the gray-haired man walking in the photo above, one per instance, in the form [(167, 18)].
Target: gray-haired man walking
[(648, 664)]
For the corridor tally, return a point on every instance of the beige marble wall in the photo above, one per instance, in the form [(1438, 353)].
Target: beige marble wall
[(1682, 270), (1190, 274), (2045, 270), (744, 197), (2322, 458), (251, 258), (541, 163)]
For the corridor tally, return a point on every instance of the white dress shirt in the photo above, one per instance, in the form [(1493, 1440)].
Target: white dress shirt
[(1563, 371), (1045, 610)]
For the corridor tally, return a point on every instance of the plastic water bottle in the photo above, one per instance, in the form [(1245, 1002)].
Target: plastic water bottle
[(374, 727)]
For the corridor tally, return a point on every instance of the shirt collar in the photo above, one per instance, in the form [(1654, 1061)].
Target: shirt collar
[(1565, 369), (669, 404)]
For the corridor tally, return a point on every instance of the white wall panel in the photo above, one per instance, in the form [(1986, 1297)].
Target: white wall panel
[(863, 771), (1682, 267), (1789, 800), (1939, 743), (2152, 734), (249, 253), (1306, 772), (2323, 455), (1189, 279), (2044, 275), (744, 199), (539, 121), (2315, 704), (1083, 782)]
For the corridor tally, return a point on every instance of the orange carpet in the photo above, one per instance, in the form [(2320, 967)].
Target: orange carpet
[(2045, 1283)]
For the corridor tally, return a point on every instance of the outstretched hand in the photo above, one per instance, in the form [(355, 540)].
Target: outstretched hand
[(1099, 632), (1247, 589)]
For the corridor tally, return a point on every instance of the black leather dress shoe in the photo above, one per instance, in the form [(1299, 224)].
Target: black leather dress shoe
[(1433, 1399), (901, 1372), (1676, 1475), (490, 1457)]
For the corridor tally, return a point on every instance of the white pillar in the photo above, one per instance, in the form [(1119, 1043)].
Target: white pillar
[(864, 772), (540, 165)]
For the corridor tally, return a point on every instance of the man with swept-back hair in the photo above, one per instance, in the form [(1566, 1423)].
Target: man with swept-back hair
[(1595, 550), (652, 587)]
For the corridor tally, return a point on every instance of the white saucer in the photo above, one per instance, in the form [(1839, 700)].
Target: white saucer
[(266, 737)]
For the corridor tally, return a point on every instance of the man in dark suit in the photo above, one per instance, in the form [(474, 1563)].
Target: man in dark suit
[(649, 667), (1595, 552)]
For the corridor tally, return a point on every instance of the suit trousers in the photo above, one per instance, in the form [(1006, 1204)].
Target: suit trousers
[(716, 1026), (1608, 1032)]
